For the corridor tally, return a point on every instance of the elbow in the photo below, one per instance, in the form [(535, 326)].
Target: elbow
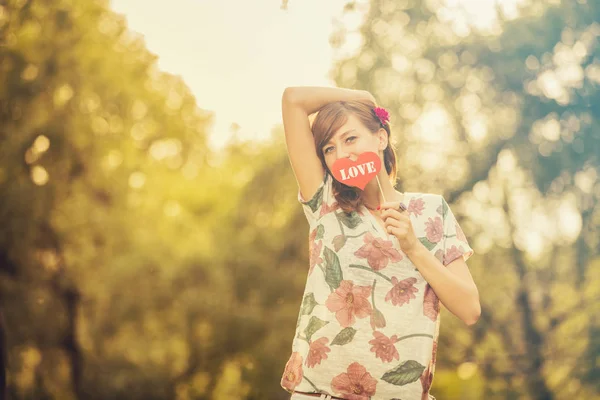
[(289, 96), (474, 310), (472, 320), (474, 315)]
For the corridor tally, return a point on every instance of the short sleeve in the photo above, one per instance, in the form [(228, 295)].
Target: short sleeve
[(322, 202), (455, 242)]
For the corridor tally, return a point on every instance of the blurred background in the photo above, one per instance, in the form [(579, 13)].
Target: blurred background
[(151, 242)]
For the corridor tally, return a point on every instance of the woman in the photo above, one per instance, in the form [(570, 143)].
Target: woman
[(369, 319)]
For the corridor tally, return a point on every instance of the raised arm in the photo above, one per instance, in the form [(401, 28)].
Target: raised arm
[(297, 104)]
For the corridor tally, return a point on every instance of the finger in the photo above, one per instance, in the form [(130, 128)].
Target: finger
[(395, 205), (389, 213), (390, 205), (395, 231), (395, 223), (393, 213)]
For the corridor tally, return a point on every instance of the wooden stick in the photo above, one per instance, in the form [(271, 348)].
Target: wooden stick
[(381, 191), (382, 195)]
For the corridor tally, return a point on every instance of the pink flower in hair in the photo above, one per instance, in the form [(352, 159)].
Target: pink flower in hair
[(382, 114)]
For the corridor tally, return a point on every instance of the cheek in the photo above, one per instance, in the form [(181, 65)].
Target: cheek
[(368, 145), (376, 142)]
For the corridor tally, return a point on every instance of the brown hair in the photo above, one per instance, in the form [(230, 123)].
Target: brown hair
[(329, 120)]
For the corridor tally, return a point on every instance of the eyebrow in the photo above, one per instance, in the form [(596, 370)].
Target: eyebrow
[(341, 136)]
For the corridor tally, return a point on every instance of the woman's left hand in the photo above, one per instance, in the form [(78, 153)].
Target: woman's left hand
[(397, 222)]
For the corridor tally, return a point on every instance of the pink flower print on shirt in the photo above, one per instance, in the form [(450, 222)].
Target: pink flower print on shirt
[(416, 206), (452, 254), (426, 381), (355, 384), (312, 236), (292, 376), (427, 376), (325, 208), (384, 348), (349, 301), (317, 352), (434, 229), (378, 252), (431, 304), (402, 292), (315, 254)]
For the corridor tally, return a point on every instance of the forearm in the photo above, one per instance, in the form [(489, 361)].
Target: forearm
[(311, 99), (456, 295)]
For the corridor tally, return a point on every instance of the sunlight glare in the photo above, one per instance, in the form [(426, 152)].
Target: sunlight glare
[(39, 175), (481, 14)]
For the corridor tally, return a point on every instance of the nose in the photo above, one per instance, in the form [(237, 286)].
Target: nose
[(345, 154), (342, 154)]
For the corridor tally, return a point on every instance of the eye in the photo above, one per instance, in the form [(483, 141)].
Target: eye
[(351, 138), (326, 151)]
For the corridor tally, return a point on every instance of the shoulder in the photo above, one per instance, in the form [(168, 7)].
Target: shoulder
[(321, 202), (424, 195), (424, 204), (429, 198)]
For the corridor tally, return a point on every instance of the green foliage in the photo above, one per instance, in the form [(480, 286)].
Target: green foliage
[(137, 264), (504, 124)]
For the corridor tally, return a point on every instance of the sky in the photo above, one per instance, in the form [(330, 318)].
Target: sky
[(238, 56)]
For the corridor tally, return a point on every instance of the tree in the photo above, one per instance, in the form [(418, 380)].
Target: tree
[(513, 105)]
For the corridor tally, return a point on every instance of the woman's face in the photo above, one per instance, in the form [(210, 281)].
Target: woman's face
[(352, 139)]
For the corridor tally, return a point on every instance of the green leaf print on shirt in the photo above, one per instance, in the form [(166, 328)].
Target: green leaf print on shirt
[(351, 221), (320, 232), (316, 200), (338, 242), (308, 304), (370, 270), (444, 208), (333, 271), (344, 337), (314, 324), (407, 372), (429, 245), (377, 317)]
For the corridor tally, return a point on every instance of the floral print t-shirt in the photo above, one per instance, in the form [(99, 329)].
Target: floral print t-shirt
[(369, 322)]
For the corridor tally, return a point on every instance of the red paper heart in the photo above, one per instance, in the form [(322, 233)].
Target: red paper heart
[(357, 173)]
